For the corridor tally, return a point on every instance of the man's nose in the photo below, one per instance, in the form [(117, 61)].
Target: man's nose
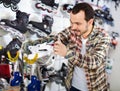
[(74, 27)]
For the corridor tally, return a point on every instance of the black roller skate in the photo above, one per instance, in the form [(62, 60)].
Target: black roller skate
[(41, 28), (10, 52), (12, 48), (104, 14), (10, 3), (18, 26), (19, 23), (47, 5)]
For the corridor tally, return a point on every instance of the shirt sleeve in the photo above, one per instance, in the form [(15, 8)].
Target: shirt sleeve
[(93, 58)]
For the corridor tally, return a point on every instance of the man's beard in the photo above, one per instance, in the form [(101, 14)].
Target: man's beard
[(81, 33)]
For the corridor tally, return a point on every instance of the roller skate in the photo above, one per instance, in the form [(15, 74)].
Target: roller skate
[(19, 23), (10, 3), (36, 46), (104, 14), (47, 5), (39, 52), (18, 26), (12, 49), (43, 28)]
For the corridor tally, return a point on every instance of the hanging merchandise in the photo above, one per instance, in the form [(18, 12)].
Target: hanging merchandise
[(48, 2), (38, 52), (104, 14), (19, 23), (17, 67), (43, 28), (114, 39), (13, 47), (36, 46), (16, 27), (10, 3), (47, 5), (12, 54), (11, 50), (35, 83)]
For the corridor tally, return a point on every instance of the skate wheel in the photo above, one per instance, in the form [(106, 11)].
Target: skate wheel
[(1, 22), (6, 5), (0, 2), (14, 8), (37, 5)]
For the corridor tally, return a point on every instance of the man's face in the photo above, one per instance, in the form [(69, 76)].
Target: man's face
[(78, 23)]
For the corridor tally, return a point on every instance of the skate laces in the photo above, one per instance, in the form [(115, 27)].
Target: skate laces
[(31, 61), (13, 59)]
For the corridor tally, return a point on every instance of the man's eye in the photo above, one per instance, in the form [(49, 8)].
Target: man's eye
[(78, 23)]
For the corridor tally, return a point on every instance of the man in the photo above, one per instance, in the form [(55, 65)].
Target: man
[(85, 46)]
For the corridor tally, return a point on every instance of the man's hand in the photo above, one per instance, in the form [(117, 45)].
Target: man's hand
[(60, 48)]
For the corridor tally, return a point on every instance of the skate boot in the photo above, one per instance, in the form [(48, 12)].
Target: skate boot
[(47, 5), (17, 79), (36, 46), (42, 28), (10, 3), (12, 49), (34, 85), (20, 23)]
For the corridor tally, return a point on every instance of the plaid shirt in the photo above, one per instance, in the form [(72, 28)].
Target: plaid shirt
[(93, 61)]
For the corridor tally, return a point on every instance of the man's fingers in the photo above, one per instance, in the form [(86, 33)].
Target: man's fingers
[(59, 48), (56, 47), (56, 51), (57, 42)]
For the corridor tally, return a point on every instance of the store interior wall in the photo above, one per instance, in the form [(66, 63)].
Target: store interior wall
[(62, 22)]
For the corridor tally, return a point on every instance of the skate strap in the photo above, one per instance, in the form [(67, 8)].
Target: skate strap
[(10, 57), (31, 61)]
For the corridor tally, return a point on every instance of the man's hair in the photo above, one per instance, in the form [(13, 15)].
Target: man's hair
[(89, 12)]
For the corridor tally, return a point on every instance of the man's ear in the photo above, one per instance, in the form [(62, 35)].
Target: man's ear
[(91, 21)]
